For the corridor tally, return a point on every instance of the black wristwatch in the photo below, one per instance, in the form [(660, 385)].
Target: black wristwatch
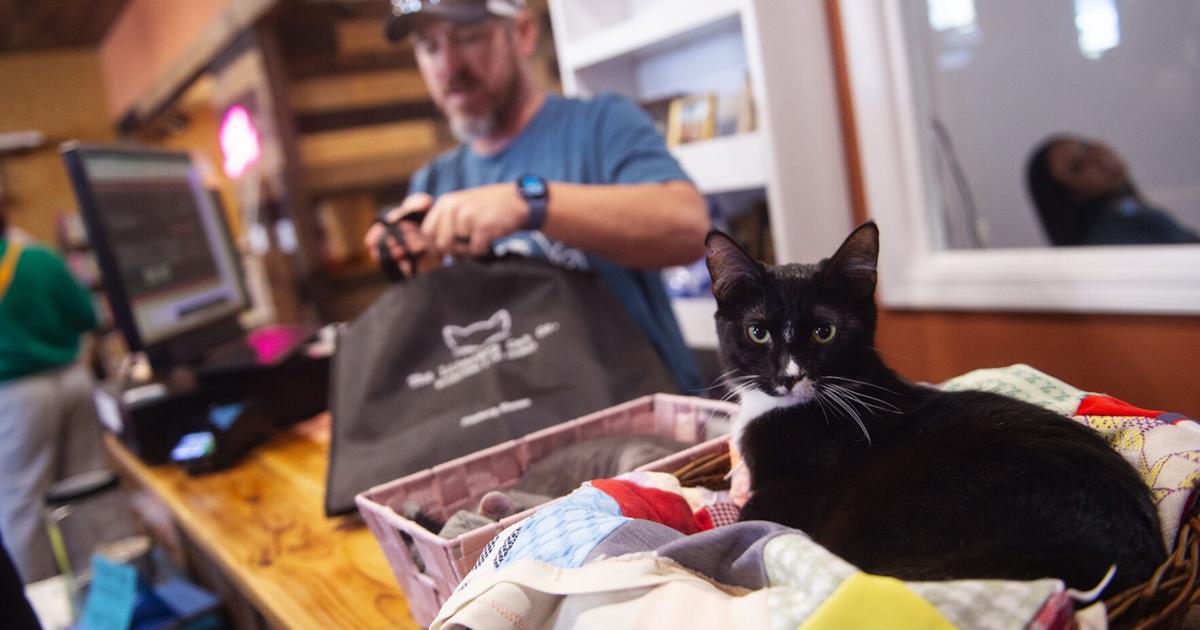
[(536, 193)]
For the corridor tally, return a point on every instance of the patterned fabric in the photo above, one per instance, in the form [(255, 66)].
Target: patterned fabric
[(563, 533), (696, 497), (983, 604), (874, 601), (713, 508), (1163, 447), (992, 604), (650, 504), (1023, 383), (1059, 614), (723, 512), (812, 573), (700, 581)]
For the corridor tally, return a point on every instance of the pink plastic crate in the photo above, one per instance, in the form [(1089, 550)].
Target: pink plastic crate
[(458, 484)]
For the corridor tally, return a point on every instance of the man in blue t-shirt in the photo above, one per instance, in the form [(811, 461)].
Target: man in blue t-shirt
[(584, 184)]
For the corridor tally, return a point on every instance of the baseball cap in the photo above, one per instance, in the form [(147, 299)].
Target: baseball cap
[(406, 14)]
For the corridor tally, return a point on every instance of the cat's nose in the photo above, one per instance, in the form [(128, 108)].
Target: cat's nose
[(790, 372)]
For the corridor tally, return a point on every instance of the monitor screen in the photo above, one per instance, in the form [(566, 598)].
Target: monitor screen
[(168, 261)]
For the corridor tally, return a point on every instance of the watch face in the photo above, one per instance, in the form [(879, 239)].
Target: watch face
[(533, 186)]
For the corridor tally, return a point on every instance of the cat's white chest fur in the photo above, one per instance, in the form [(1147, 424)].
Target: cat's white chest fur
[(753, 403)]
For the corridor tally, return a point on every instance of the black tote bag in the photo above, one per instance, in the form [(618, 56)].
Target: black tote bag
[(472, 355)]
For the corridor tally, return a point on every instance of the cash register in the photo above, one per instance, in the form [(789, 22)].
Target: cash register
[(207, 389)]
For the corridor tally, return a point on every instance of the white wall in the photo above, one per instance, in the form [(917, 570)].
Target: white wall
[(1022, 77)]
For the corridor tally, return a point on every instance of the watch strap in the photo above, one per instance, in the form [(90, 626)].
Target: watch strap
[(536, 193)]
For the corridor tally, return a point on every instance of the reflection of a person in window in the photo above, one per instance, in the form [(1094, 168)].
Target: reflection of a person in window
[(1084, 196)]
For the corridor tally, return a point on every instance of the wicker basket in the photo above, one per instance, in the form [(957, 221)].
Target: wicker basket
[(708, 471), (1161, 602)]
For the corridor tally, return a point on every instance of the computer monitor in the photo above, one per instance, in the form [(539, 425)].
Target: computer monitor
[(170, 269)]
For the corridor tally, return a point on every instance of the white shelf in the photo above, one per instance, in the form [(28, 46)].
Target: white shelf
[(736, 162), (695, 317), (660, 24), (653, 49)]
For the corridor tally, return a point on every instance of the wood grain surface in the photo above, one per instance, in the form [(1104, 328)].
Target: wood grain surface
[(263, 523)]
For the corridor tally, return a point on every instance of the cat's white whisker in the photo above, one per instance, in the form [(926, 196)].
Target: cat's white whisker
[(821, 404), (736, 393), (857, 397), (734, 384), (718, 384), (726, 377), (882, 404), (852, 414), (850, 397), (842, 408), (733, 380), (854, 380)]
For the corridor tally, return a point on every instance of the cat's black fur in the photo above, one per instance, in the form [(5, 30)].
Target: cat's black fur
[(949, 485)]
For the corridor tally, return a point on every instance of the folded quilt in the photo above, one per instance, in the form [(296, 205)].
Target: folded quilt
[(641, 551), (1163, 447), (617, 553)]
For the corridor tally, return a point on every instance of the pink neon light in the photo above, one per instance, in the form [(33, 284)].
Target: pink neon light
[(239, 141)]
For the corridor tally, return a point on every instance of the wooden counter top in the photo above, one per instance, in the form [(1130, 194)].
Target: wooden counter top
[(263, 523)]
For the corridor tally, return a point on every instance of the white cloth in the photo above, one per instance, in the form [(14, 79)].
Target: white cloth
[(48, 431)]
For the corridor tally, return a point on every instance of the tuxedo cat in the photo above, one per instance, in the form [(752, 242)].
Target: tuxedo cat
[(901, 479)]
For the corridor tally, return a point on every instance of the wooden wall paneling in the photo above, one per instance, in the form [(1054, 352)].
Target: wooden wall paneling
[(309, 65), (354, 177), (368, 144), (364, 37), (327, 121), (363, 123), (1145, 360), (296, 197), (55, 24), (358, 90), (61, 94), (344, 219), (319, 41)]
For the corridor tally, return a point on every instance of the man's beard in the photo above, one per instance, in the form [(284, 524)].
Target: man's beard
[(468, 127)]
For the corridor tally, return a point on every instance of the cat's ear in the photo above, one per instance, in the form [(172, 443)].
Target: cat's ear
[(855, 261), (731, 268)]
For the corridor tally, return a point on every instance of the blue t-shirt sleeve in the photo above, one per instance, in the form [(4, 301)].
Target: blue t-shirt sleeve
[(630, 148), (440, 175), (419, 182)]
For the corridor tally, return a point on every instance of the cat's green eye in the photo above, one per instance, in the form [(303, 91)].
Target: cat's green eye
[(758, 334), (824, 333)]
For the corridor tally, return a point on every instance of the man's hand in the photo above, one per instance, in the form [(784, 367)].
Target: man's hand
[(413, 238), (465, 222)]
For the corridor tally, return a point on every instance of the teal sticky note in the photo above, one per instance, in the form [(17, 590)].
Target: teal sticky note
[(111, 597)]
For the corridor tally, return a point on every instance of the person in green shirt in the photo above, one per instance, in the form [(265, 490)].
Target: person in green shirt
[(48, 424)]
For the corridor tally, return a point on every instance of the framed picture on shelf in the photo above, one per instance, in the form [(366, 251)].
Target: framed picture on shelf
[(692, 117), (660, 111), (747, 121), (735, 111)]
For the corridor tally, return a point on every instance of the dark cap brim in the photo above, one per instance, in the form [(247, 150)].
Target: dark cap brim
[(401, 26)]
